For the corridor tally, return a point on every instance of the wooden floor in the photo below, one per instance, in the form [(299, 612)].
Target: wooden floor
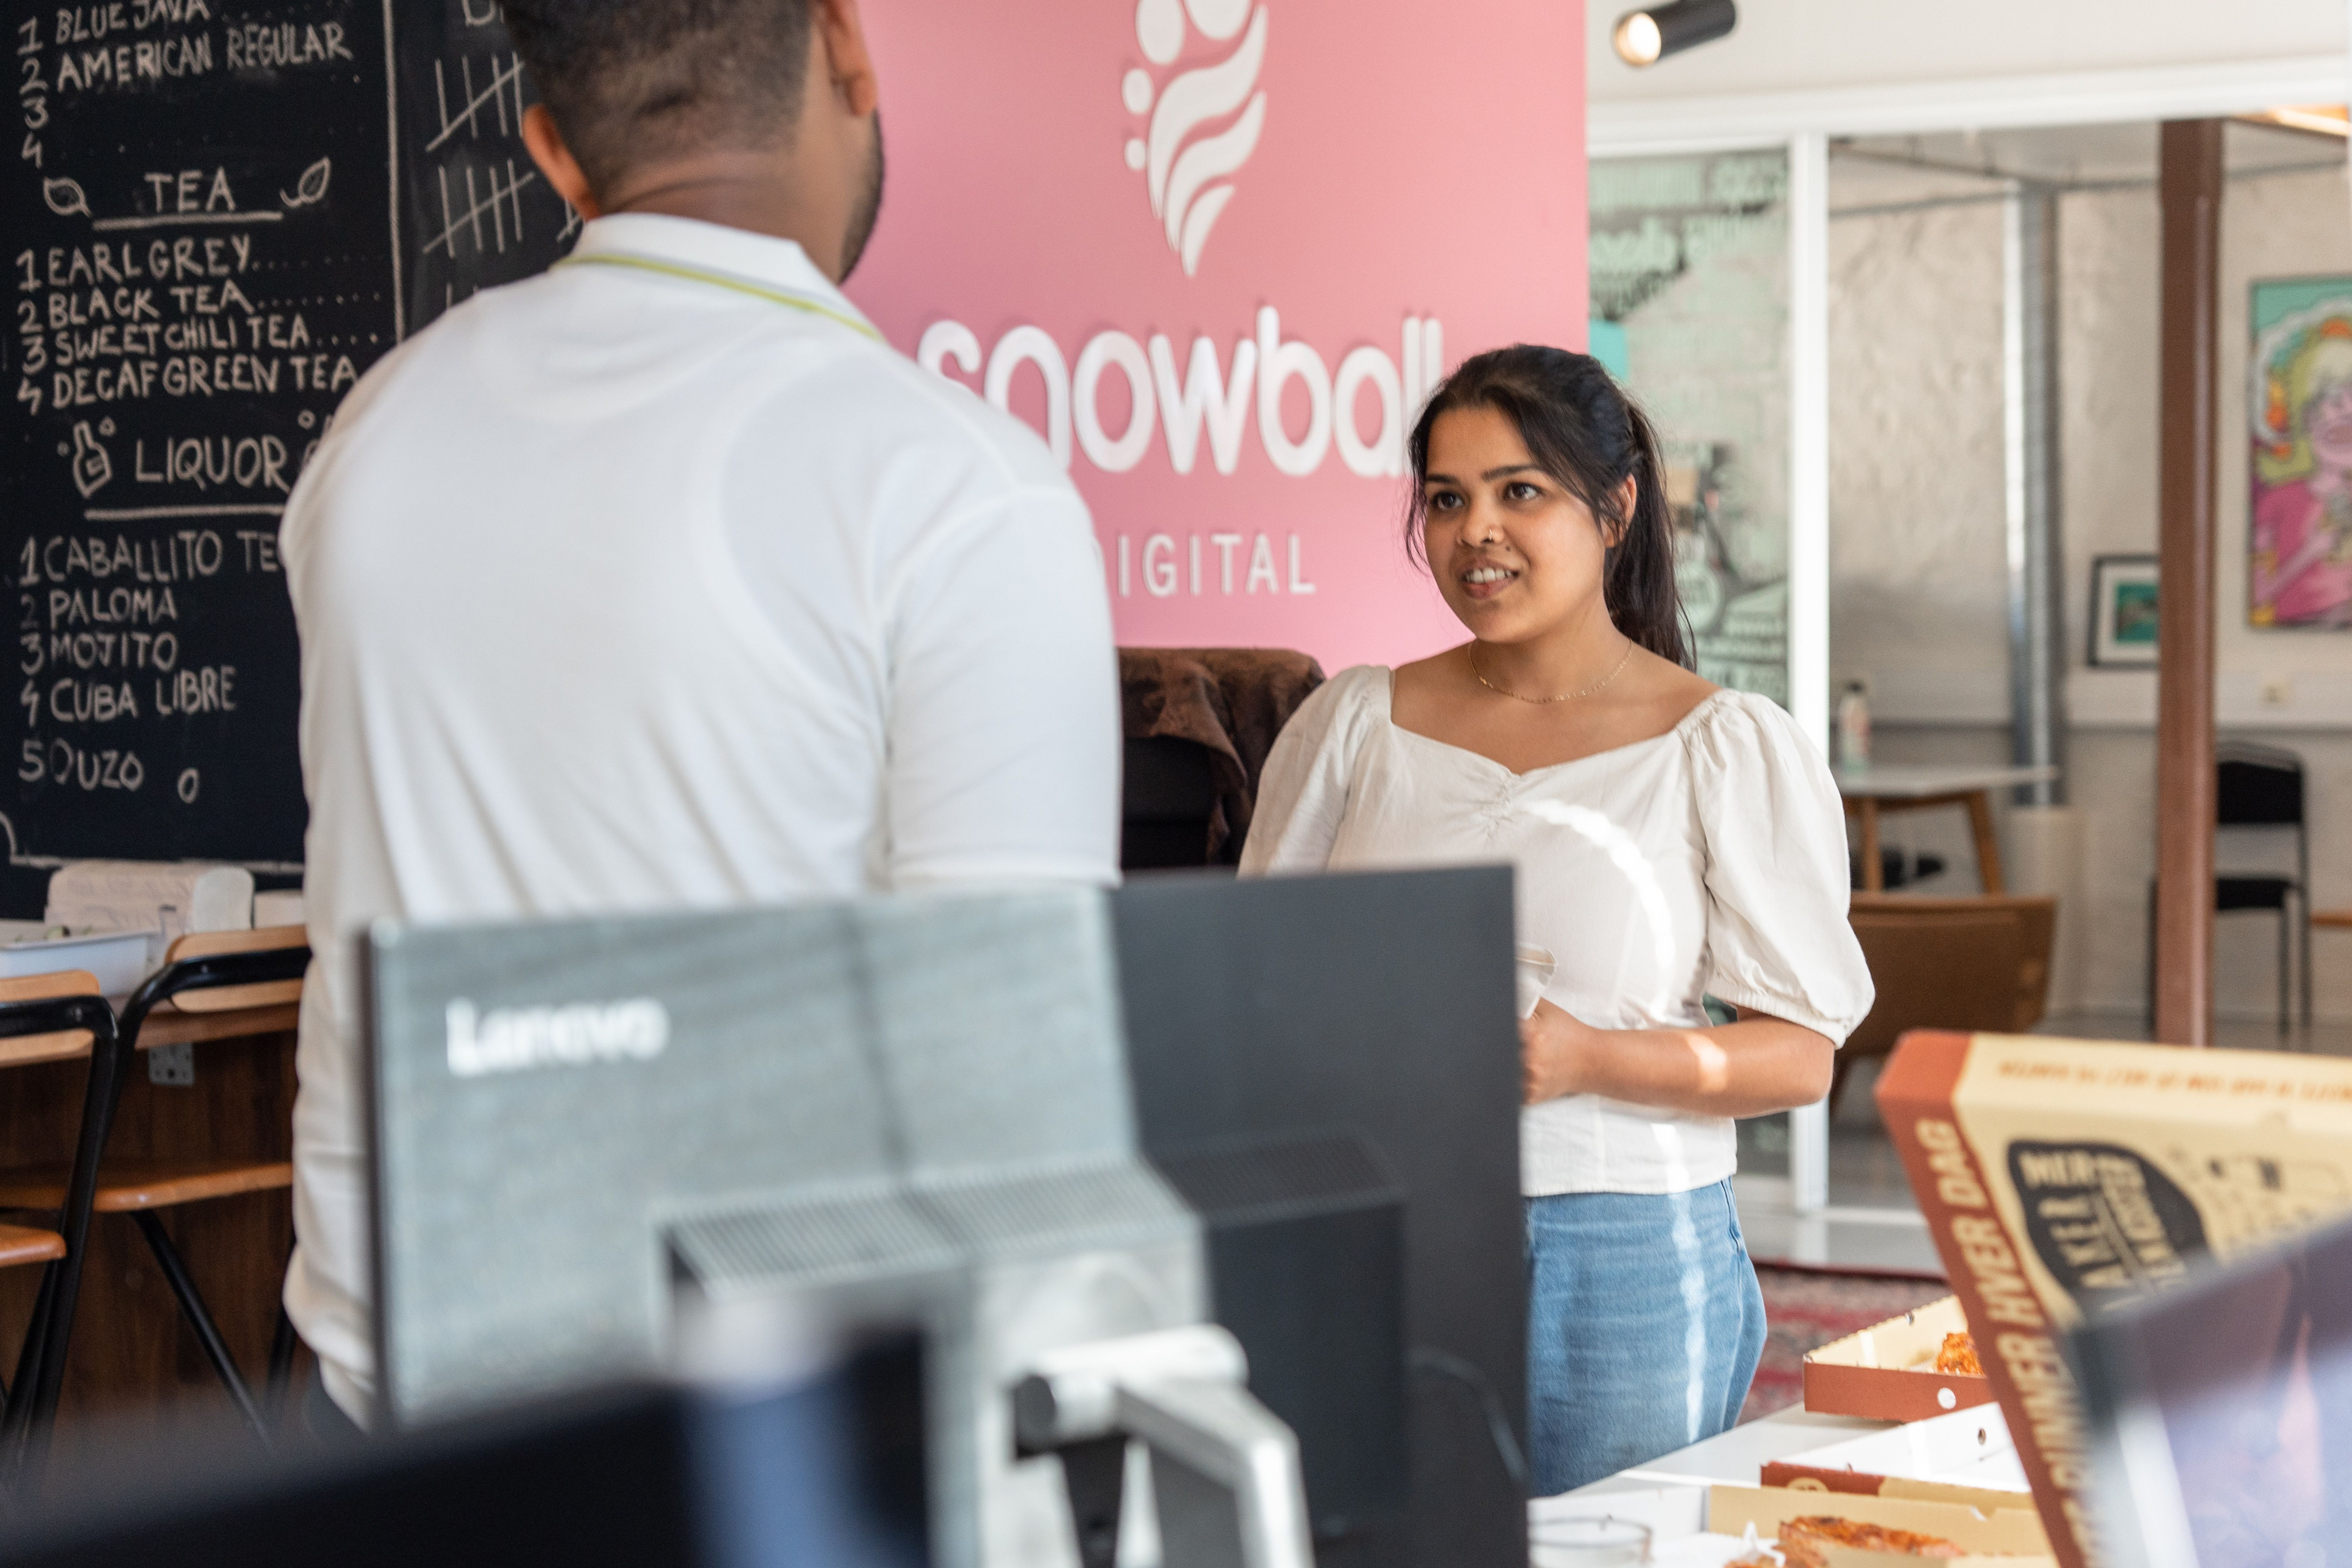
[(135, 1364)]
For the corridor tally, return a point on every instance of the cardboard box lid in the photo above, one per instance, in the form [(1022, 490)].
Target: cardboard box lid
[(1907, 1343), (1968, 1450), (2055, 1175)]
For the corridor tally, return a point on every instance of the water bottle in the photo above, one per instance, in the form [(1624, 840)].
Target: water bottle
[(1853, 728)]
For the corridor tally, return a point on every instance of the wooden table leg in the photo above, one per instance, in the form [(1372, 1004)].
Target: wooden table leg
[(1988, 841), (1873, 870)]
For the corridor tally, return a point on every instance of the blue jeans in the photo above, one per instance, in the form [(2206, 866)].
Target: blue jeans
[(1645, 1324)]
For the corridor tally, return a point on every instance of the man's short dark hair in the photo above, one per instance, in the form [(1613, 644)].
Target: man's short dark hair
[(630, 81)]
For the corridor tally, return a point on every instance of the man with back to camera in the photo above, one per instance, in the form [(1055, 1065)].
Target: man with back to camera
[(661, 580)]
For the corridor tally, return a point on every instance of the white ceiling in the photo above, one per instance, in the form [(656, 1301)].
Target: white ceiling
[(1798, 46), (1877, 169)]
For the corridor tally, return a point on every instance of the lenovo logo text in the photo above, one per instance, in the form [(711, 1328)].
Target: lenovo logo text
[(577, 1034)]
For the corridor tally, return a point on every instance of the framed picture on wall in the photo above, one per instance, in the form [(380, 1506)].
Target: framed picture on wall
[(2123, 611)]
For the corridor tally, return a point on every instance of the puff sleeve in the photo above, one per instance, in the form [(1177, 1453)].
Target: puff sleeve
[(1302, 794), (1778, 941)]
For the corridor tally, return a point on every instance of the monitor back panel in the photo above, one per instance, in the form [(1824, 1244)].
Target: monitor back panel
[(549, 1097), (1376, 1007)]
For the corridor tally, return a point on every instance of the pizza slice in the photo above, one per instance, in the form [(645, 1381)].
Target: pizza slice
[(1802, 1540)]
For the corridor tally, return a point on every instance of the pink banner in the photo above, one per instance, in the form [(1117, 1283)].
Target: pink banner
[(1216, 252)]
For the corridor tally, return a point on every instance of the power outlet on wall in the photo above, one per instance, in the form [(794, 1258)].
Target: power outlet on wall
[(173, 1065)]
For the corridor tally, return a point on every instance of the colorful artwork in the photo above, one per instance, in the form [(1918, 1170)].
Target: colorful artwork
[(2299, 412), (1690, 280)]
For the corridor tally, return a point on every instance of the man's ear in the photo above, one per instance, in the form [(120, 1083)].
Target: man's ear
[(848, 62), (555, 161)]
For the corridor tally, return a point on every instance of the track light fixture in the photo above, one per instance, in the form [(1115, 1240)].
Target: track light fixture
[(1644, 37)]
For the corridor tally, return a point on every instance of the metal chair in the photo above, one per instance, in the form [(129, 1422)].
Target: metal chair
[(54, 1017), (205, 972), (2260, 787)]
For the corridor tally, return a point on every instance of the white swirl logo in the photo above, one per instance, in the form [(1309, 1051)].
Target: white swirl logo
[(1187, 180)]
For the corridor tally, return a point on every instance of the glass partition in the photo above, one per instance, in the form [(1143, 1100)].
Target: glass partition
[(1690, 266)]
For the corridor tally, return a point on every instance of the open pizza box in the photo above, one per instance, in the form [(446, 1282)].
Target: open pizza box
[(1965, 1456), (1709, 1525), (1957, 1471), (2012, 1536), (1887, 1371)]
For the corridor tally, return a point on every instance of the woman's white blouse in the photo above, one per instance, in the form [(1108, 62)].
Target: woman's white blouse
[(1709, 861)]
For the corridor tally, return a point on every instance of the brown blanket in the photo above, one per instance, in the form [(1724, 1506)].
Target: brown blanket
[(1234, 701)]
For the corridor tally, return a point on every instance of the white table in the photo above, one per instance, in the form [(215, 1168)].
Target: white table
[(1903, 787), (1737, 1457), (1925, 785), (1662, 1493)]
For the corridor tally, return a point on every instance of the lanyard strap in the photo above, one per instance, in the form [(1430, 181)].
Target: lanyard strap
[(695, 274)]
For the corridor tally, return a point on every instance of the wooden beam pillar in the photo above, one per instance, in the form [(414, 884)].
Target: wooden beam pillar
[(2190, 190)]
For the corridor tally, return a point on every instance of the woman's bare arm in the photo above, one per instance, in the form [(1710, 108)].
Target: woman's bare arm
[(1750, 1068)]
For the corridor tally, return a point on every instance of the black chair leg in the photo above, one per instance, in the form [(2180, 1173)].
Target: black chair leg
[(167, 1257), (2286, 1008), (281, 1364), (2303, 940), (16, 1418), (63, 1289)]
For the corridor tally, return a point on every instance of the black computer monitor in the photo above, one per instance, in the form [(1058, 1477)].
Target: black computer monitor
[(829, 1470), (2219, 1413), (1292, 1105), (1376, 1008)]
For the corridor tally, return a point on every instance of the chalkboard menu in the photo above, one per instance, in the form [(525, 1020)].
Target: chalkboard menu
[(220, 215)]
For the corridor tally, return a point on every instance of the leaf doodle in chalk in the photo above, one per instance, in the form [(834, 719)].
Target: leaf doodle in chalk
[(311, 187), (65, 198), (197, 280)]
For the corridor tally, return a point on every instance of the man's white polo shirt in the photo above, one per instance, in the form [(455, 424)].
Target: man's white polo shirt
[(662, 581)]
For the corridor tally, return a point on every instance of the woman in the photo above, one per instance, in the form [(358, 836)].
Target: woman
[(1672, 841)]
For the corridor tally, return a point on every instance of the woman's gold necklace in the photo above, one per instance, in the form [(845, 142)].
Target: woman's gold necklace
[(1570, 698)]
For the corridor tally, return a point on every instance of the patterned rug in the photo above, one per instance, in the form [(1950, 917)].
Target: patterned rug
[(1804, 1310)]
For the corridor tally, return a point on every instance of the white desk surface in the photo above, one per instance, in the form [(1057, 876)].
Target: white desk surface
[(1910, 781), (1737, 1457), (1668, 1494)]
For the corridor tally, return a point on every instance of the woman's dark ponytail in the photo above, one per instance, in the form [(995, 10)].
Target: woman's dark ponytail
[(1582, 430)]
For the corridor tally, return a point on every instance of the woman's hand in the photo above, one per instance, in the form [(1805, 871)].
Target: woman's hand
[(1553, 1050)]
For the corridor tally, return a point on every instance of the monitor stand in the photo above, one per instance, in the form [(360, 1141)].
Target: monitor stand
[(1225, 1478)]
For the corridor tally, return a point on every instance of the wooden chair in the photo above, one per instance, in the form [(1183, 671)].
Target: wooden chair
[(1948, 962), (53, 1018), (203, 973)]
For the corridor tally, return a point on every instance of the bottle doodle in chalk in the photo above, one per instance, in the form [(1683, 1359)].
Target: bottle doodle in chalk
[(92, 465)]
